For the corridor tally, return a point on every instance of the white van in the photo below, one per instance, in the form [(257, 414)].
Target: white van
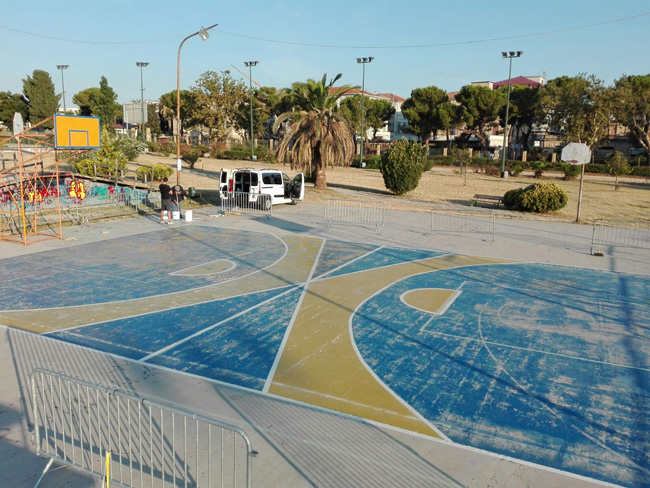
[(278, 185)]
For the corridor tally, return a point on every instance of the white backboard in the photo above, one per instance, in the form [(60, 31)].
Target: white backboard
[(576, 153)]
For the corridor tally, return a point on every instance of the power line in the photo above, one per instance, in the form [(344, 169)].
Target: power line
[(441, 44), (343, 46), (79, 41)]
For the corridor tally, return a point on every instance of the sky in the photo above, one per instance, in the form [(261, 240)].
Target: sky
[(415, 43)]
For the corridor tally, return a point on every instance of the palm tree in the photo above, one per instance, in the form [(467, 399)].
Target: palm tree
[(318, 135)]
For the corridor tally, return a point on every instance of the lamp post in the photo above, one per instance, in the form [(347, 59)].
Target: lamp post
[(508, 55), (62, 67), (249, 65), (363, 61), (203, 34), (141, 65)]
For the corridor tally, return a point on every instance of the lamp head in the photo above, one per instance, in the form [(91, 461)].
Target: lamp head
[(519, 53), (504, 55), (62, 66), (203, 34), (141, 64)]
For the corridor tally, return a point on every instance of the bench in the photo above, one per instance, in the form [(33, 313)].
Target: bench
[(491, 199)]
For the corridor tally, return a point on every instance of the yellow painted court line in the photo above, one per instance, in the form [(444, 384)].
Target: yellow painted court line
[(292, 269), (320, 364)]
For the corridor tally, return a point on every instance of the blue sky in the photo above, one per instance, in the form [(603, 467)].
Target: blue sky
[(415, 43)]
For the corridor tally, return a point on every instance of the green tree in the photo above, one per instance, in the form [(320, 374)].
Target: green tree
[(427, 111), (218, 98), (42, 101), (83, 100), (631, 106), (579, 107), (378, 113), (351, 109), (318, 134), (153, 118), (105, 105), (524, 112), (187, 106), (10, 103), (617, 165), (480, 107), (260, 116), (402, 166)]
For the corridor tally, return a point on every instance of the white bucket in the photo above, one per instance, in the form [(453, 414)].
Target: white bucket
[(188, 216), (176, 215)]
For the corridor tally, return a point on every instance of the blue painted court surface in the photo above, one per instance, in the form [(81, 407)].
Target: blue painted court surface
[(545, 363)]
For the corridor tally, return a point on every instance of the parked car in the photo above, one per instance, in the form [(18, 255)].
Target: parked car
[(254, 182)]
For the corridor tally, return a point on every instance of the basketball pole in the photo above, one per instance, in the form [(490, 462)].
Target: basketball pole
[(582, 178)]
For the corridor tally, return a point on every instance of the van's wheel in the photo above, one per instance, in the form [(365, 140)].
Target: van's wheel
[(294, 202)]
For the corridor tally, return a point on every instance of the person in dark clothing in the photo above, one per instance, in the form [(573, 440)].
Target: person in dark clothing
[(178, 194), (165, 202)]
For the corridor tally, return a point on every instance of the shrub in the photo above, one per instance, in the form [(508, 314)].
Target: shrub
[(641, 171), (190, 155), (217, 149), (167, 148), (371, 161), (160, 171), (570, 170), (538, 197), (105, 160), (617, 165), (402, 166), (131, 148), (539, 167)]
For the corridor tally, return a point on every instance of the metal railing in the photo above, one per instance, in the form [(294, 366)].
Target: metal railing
[(249, 203), (623, 233), (475, 221), (355, 212), (132, 441)]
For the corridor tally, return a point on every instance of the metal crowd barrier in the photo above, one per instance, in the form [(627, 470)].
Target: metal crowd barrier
[(355, 212), (248, 203), (475, 221), (134, 442), (624, 233)]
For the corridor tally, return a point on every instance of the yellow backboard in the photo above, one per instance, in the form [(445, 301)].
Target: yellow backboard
[(77, 132)]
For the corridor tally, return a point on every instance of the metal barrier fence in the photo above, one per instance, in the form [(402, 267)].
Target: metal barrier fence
[(481, 221), (249, 203), (134, 442), (355, 212), (625, 233)]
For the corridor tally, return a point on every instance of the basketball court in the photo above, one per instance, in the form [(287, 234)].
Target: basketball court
[(545, 363)]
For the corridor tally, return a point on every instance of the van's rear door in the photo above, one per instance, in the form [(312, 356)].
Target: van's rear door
[(224, 185), (298, 187)]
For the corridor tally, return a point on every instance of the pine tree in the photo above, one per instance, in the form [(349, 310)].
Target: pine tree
[(42, 102)]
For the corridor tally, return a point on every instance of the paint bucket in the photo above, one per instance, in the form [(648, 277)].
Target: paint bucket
[(176, 215), (188, 216)]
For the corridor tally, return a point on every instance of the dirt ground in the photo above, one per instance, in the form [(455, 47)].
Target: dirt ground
[(442, 185)]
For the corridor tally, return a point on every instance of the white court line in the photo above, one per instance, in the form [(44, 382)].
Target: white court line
[(443, 309), (269, 378), (347, 263), (213, 326), (527, 349), (158, 295)]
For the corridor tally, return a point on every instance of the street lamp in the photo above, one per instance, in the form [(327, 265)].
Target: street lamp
[(363, 61), (141, 65), (508, 55), (203, 34), (62, 67), (249, 65)]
